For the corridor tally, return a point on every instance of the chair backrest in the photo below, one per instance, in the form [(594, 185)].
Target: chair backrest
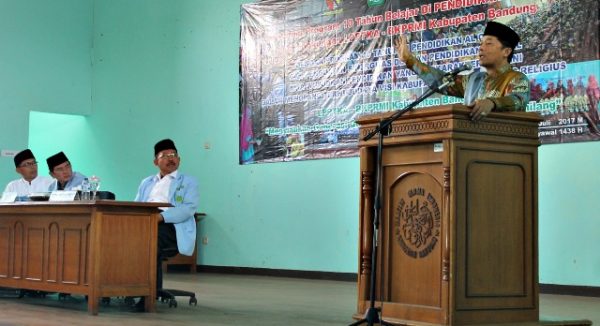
[(105, 195)]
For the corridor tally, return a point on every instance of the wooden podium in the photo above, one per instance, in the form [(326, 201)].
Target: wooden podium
[(458, 230)]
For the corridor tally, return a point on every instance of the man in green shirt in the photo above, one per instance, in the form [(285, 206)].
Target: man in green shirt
[(498, 88)]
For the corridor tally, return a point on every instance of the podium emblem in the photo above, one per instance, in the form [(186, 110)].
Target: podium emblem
[(417, 223)]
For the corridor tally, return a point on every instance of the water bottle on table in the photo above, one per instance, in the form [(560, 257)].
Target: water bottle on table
[(85, 189), (94, 186)]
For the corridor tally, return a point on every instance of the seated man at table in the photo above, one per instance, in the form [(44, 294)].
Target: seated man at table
[(176, 226), (30, 182), (60, 169)]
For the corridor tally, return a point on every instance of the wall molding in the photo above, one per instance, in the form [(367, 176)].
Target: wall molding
[(576, 290), (313, 275)]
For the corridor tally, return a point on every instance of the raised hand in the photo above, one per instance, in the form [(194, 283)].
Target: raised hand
[(402, 49)]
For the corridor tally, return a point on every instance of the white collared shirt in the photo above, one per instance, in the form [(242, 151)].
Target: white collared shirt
[(160, 191), (23, 188)]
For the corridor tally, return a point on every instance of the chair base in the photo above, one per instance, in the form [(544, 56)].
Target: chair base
[(168, 295)]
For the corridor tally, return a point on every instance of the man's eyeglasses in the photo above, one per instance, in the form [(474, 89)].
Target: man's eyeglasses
[(28, 164), (62, 168), (168, 155)]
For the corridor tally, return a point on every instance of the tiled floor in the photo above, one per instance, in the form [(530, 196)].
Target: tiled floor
[(240, 300)]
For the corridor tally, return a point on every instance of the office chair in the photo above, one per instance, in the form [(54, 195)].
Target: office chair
[(169, 294)]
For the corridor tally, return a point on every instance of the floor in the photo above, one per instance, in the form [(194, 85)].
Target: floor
[(239, 300)]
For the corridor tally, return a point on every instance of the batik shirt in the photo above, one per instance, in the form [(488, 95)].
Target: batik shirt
[(509, 90)]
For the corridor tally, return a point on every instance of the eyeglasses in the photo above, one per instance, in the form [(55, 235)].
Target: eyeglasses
[(64, 168), (168, 155), (28, 164)]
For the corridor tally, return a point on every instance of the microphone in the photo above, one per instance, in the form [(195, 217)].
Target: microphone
[(448, 78), (458, 70)]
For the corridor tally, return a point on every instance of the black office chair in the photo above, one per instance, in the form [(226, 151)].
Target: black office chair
[(169, 295)]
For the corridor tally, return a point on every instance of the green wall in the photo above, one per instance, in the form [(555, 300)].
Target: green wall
[(45, 65), (74, 128), (569, 213), (169, 69)]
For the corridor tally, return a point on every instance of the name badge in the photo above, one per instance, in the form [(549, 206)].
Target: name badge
[(63, 195), (8, 197)]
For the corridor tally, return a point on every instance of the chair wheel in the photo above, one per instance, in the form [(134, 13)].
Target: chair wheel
[(193, 301), (172, 303)]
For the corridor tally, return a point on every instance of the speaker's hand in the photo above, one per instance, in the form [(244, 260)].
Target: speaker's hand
[(402, 49), (481, 108)]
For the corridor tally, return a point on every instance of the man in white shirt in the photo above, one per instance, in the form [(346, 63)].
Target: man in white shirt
[(176, 226), (27, 167)]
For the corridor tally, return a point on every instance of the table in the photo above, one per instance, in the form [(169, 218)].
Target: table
[(101, 248)]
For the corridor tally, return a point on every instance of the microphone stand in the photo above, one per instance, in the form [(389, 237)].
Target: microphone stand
[(372, 315)]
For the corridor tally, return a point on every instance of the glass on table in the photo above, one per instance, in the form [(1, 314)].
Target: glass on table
[(94, 186)]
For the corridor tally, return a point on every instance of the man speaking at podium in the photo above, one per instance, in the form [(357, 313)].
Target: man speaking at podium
[(498, 88)]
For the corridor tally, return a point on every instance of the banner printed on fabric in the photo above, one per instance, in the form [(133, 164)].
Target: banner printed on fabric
[(309, 68)]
